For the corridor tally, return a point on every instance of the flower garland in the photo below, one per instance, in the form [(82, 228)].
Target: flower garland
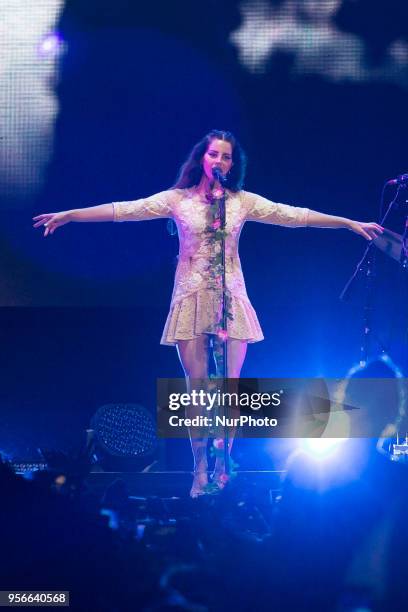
[(215, 236)]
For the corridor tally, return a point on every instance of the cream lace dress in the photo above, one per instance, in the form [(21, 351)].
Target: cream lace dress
[(195, 304)]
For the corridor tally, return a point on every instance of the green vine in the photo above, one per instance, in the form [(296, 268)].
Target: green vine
[(214, 237)]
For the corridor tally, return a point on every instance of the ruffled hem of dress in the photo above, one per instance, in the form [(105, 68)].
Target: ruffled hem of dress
[(197, 314)]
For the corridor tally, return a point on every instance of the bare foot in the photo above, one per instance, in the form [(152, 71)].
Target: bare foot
[(200, 482), (220, 478)]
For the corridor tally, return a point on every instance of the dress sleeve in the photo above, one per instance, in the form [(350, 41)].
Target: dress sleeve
[(157, 206), (265, 211)]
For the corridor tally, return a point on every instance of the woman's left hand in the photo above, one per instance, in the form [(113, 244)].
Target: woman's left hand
[(369, 231)]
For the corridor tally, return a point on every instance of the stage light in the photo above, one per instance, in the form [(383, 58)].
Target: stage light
[(50, 45), (124, 436), (321, 448)]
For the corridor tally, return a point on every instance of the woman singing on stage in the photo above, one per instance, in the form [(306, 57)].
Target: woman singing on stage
[(193, 323)]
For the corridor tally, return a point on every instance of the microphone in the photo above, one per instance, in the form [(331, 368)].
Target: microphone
[(402, 179), (222, 179)]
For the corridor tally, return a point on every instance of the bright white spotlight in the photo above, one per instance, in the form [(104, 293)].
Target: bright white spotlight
[(322, 448), (50, 45)]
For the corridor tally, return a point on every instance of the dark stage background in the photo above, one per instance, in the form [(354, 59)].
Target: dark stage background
[(102, 101)]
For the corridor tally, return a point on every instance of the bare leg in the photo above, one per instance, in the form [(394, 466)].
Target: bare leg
[(236, 356), (236, 352), (193, 356)]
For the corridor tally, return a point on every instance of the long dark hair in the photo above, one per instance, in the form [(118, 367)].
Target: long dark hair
[(191, 171)]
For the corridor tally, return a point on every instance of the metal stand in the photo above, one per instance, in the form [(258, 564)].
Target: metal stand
[(367, 264), (223, 336), (404, 246), (224, 325), (368, 308)]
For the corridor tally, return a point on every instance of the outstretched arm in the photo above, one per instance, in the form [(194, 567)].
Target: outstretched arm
[(367, 230), (158, 206), (51, 221), (265, 211)]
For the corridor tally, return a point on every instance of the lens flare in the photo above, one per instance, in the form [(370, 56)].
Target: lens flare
[(322, 447), (50, 45)]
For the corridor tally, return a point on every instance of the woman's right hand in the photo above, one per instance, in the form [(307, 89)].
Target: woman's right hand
[(52, 220)]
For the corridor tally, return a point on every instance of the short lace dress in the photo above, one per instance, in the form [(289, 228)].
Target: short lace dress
[(197, 295)]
